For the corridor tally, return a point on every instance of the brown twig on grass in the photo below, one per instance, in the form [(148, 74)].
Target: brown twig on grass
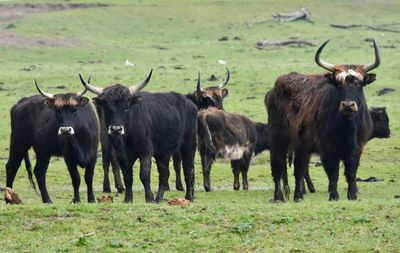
[(263, 44), (302, 13), (369, 27)]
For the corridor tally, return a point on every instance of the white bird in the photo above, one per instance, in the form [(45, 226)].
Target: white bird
[(128, 63), (223, 62)]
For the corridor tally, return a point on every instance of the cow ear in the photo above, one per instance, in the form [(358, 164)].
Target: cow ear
[(83, 101), (136, 100), (369, 78), (49, 103), (225, 93), (331, 77), (96, 101)]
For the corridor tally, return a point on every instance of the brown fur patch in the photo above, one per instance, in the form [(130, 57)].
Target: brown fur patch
[(61, 102)]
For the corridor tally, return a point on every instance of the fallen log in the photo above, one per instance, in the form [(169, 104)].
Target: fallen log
[(263, 44), (369, 27), (302, 13)]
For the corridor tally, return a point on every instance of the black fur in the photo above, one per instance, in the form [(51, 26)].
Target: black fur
[(33, 124)]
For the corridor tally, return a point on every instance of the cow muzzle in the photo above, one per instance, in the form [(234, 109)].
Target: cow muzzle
[(348, 108), (66, 130), (116, 130)]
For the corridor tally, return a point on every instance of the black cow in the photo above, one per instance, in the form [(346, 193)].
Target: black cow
[(143, 125), (203, 98), (232, 136), (54, 125), (325, 114), (380, 129)]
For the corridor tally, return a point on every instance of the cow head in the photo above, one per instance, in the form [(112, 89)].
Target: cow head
[(65, 107), (349, 80), (116, 101), (211, 96), (381, 122)]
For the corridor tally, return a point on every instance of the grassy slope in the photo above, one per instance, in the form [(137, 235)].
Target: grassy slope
[(222, 220)]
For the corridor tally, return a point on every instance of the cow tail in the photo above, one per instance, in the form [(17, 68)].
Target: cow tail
[(28, 167), (286, 188), (208, 145)]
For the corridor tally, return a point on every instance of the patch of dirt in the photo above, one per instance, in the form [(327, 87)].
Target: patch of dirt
[(12, 12)]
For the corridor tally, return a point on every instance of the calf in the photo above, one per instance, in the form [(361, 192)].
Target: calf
[(231, 136), (143, 125), (54, 125)]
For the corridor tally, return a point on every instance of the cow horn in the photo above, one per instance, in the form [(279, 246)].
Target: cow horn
[(138, 87), (44, 94), (224, 83), (321, 63), (82, 92), (369, 67), (199, 88), (96, 90)]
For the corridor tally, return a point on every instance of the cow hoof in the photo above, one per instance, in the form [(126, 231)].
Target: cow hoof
[(128, 200), (352, 197), (312, 190), (236, 188), (297, 200), (158, 200), (106, 190), (91, 200), (208, 189), (334, 198), (180, 188), (246, 188), (120, 190), (149, 200), (76, 201), (166, 188), (276, 201), (190, 198)]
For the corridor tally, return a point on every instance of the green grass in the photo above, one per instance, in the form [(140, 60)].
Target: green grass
[(222, 220)]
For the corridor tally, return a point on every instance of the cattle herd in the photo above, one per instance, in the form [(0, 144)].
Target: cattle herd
[(326, 114)]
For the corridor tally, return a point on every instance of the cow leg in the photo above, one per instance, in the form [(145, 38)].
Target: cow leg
[(145, 169), (278, 150), (106, 168), (117, 175), (188, 152), (89, 171), (331, 166), (127, 172), (235, 165), (301, 160), (309, 182), (14, 162), (177, 158), (244, 170), (350, 173), (42, 163), (163, 175), (76, 180), (206, 164)]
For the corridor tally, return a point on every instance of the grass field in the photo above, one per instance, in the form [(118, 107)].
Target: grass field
[(177, 39)]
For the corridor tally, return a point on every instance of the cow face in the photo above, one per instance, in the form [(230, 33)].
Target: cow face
[(65, 107), (381, 122), (117, 101), (349, 80), (211, 96)]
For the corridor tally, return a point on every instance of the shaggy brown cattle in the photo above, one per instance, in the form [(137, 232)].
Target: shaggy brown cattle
[(325, 114), (232, 136)]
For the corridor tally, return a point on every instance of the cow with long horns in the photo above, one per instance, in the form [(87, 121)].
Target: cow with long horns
[(54, 125), (325, 114), (143, 125), (203, 98)]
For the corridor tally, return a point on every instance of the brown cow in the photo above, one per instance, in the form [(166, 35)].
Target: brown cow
[(227, 135), (325, 114)]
